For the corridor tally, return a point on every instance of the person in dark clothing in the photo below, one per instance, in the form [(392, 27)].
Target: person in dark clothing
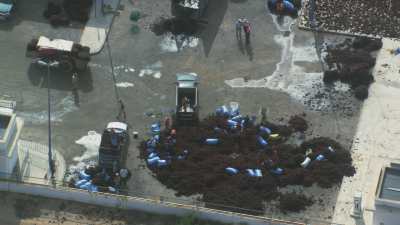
[(247, 31)]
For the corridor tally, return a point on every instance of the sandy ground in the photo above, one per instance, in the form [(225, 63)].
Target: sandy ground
[(376, 141), (29, 210)]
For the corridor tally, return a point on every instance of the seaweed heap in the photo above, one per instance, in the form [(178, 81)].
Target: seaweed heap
[(239, 166), (351, 62)]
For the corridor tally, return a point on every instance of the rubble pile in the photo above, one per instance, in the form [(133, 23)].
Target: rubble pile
[(62, 14), (372, 17), (351, 62), (78, 10), (238, 165)]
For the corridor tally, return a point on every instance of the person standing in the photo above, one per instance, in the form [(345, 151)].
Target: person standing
[(247, 31), (121, 113), (239, 27)]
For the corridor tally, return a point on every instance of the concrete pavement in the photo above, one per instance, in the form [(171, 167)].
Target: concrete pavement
[(96, 30), (33, 163)]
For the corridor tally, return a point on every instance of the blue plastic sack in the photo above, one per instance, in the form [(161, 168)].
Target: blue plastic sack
[(261, 141), (265, 130), (80, 182), (153, 161), (231, 170), (83, 175), (212, 141), (86, 185), (93, 188), (257, 173)]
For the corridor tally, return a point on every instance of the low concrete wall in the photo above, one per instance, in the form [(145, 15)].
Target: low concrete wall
[(141, 204)]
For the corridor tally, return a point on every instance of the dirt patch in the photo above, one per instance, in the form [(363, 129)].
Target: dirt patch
[(298, 123), (195, 167)]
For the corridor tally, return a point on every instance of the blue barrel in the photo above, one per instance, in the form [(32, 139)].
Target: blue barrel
[(238, 118), (250, 172), (265, 130), (155, 128), (153, 161), (261, 141), (150, 144), (152, 155), (156, 138), (212, 141), (83, 175), (162, 162), (231, 170), (257, 173), (277, 171), (232, 123), (320, 157)]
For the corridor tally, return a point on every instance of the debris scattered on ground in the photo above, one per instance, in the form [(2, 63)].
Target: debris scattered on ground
[(236, 164), (351, 62), (298, 123), (293, 202)]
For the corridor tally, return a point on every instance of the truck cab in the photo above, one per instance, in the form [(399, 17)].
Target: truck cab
[(6, 7), (113, 146), (186, 99)]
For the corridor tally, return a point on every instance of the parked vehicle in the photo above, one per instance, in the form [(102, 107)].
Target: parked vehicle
[(186, 99), (6, 8), (69, 55), (113, 146)]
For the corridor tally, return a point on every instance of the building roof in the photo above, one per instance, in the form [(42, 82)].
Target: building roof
[(390, 187)]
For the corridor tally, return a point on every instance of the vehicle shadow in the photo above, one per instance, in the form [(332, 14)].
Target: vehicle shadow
[(59, 80)]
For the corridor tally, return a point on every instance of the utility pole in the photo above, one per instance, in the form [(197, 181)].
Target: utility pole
[(49, 65)]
